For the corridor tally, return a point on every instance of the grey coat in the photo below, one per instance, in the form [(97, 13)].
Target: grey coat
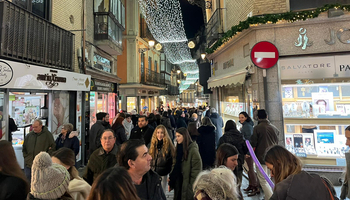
[(301, 186)]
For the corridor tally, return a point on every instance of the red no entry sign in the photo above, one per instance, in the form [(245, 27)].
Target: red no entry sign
[(264, 55)]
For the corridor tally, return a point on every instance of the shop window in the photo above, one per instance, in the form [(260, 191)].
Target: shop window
[(60, 110), (102, 63)]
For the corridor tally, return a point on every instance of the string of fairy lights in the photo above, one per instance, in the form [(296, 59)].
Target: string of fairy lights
[(164, 20)]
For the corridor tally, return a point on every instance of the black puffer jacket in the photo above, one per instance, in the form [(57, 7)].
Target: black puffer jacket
[(119, 131), (12, 187), (153, 184), (162, 163), (165, 121), (235, 138), (206, 144)]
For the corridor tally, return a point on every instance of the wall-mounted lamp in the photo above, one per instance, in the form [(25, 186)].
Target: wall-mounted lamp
[(203, 56), (150, 46), (178, 71), (178, 81), (208, 4)]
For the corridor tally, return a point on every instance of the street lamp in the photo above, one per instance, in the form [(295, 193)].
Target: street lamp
[(151, 43), (203, 56)]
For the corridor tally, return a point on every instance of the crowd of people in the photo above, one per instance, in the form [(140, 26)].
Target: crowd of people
[(141, 156)]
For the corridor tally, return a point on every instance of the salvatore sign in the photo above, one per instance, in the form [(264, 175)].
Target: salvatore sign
[(26, 76), (315, 67)]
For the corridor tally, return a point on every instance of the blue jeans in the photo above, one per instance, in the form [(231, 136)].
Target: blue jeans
[(28, 173)]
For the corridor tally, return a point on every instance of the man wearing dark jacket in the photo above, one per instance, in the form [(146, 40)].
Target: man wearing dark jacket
[(102, 158), (40, 139), (219, 124), (97, 130), (143, 130), (264, 136), (134, 157)]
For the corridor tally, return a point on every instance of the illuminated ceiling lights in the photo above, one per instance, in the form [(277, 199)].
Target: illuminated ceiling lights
[(164, 20)]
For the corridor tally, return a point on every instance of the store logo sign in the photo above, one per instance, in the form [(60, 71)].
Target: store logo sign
[(344, 68), (51, 79), (303, 40), (6, 73), (339, 34)]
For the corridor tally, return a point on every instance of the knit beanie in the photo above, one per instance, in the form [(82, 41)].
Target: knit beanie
[(49, 180)]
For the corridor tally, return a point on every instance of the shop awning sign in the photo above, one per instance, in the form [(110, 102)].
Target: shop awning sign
[(264, 55)]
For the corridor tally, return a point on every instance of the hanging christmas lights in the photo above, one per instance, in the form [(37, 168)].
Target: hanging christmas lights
[(164, 20)]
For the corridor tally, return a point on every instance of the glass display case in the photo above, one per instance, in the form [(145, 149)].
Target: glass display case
[(316, 113)]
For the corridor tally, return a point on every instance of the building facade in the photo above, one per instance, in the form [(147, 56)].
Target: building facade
[(146, 75), (305, 93), (41, 76)]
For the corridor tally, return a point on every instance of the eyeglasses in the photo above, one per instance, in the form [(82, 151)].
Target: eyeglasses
[(109, 138)]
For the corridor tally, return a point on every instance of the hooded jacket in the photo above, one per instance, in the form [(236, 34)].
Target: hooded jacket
[(190, 170), (128, 127), (34, 143), (247, 129), (218, 123), (206, 144), (119, 131), (264, 136), (71, 142), (301, 186), (235, 138)]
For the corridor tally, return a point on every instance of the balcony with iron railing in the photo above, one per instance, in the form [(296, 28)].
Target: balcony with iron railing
[(171, 90), (151, 77), (28, 38), (214, 27)]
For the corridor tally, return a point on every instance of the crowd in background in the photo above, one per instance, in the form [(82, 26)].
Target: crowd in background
[(141, 156)]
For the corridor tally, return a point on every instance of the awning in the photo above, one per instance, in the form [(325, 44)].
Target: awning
[(235, 77)]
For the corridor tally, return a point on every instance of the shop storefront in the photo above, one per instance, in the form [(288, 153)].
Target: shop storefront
[(139, 97), (306, 93), (29, 92), (316, 106), (103, 98), (231, 86)]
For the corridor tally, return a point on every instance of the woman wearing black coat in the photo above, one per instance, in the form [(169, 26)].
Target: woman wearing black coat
[(234, 137), (206, 143), (68, 139), (165, 121), (119, 131), (181, 121)]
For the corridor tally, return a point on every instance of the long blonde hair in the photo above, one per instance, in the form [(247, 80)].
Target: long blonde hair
[(167, 144), (284, 163)]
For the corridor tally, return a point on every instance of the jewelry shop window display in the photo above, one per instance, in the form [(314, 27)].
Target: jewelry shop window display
[(315, 110)]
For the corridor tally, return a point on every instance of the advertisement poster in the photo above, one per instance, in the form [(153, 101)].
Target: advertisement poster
[(298, 141), (325, 143), (289, 142), (78, 125), (322, 102), (60, 110), (309, 144)]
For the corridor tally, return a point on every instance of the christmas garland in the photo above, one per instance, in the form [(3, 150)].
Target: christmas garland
[(273, 18)]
